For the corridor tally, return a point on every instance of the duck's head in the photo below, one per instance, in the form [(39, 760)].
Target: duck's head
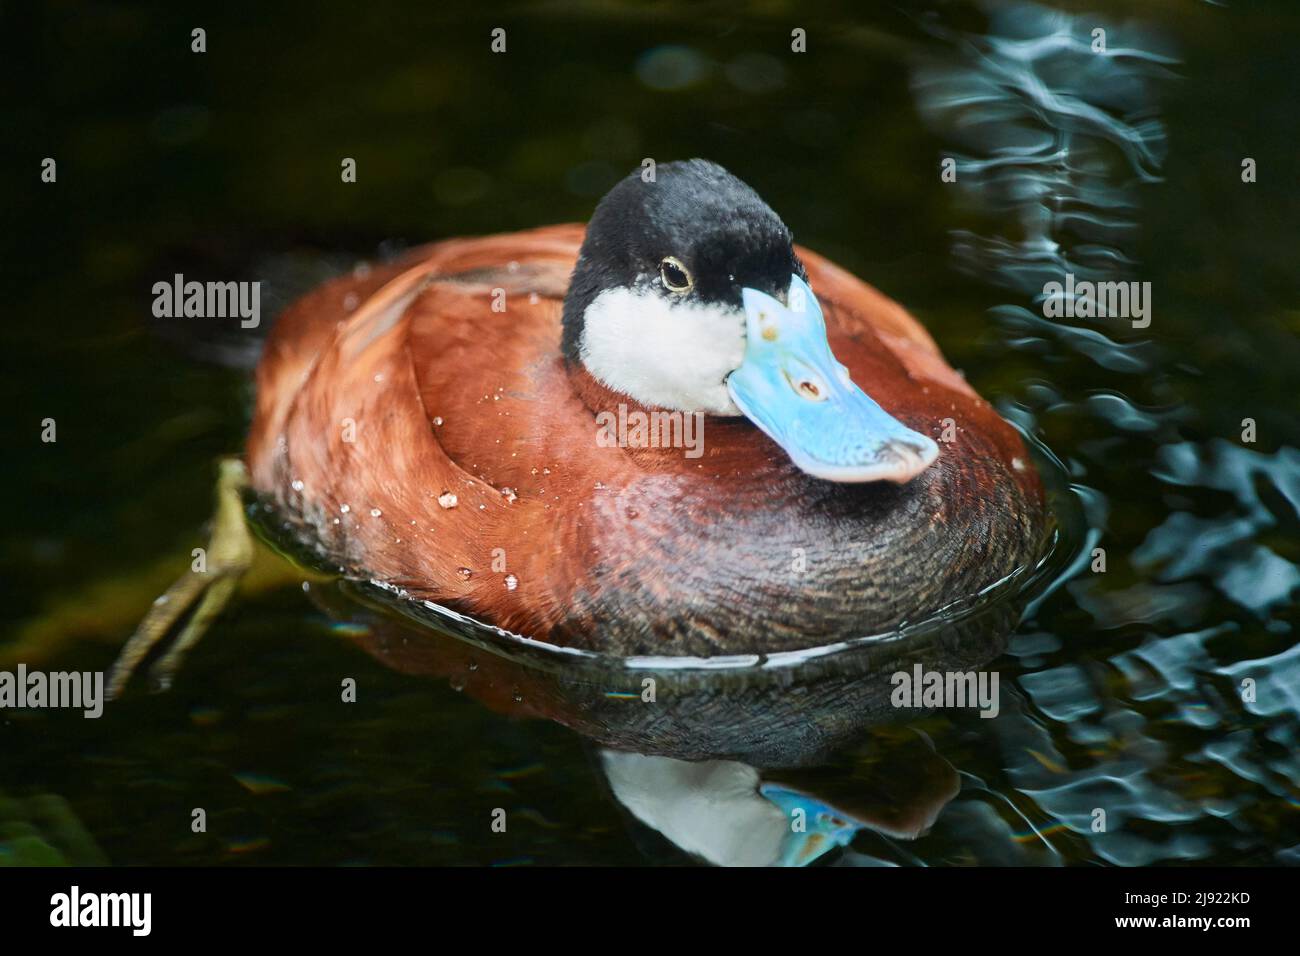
[(688, 296)]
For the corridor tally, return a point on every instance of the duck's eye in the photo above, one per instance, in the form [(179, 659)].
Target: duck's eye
[(675, 276)]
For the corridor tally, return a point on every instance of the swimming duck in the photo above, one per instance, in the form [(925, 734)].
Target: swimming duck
[(671, 432)]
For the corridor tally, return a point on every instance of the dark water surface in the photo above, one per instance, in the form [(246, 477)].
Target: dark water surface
[(1120, 691)]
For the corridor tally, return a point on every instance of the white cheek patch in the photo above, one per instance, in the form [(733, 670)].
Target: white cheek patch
[(671, 355)]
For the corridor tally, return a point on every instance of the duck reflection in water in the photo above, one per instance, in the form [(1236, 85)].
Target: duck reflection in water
[(763, 762)]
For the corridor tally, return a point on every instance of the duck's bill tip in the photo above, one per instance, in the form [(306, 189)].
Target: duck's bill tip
[(892, 460)]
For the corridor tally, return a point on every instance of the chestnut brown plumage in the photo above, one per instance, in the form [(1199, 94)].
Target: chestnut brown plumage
[(627, 550)]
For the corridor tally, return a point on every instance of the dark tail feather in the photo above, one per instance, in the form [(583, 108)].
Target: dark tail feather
[(282, 275)]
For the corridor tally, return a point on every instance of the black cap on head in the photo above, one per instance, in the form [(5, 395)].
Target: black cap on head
[(716, 232)]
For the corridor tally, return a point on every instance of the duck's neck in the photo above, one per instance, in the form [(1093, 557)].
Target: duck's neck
[(595, 394), (670, 439)]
